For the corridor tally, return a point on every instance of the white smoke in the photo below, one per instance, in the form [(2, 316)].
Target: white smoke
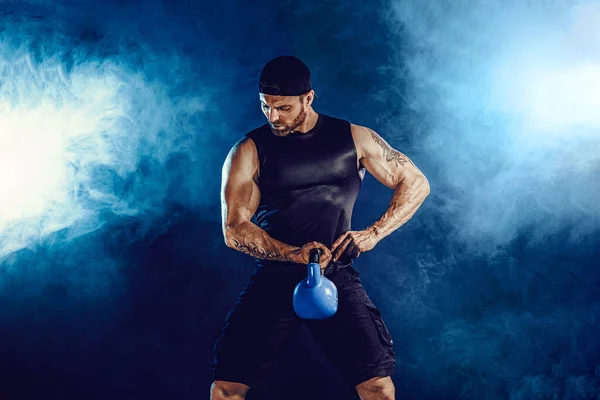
[(508, 100), (71, 140)]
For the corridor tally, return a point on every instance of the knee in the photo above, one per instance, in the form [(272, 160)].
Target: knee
[(378, 395), (379, 388), (222, 390)]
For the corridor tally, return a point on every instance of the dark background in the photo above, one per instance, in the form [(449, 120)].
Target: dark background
[(491, 291)]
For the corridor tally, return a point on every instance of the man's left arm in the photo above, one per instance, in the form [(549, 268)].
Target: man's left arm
[(394, 170)]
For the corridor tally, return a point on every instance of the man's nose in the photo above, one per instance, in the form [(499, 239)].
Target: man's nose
[(273, 116)]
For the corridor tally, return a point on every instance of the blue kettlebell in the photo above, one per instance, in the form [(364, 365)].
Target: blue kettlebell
[(315, 297)]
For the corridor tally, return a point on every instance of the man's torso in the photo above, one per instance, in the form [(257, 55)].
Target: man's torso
[(308, 182)]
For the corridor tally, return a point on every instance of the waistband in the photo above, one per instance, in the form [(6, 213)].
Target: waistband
[(294, 268), (333, 267)]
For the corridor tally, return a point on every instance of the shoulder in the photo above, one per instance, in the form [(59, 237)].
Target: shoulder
[(247, 147), (256, 139), (362, 133), (245, 154), (363, 137), (242, 159), (259, 133)]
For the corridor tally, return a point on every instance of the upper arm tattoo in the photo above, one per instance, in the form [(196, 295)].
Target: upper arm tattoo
[(390, 154)]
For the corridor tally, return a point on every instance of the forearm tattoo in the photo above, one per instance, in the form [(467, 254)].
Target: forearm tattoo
[(390, 154), (258, 252)]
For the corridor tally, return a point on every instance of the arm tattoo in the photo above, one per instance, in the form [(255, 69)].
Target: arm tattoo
[(257, 252), (390, 154)]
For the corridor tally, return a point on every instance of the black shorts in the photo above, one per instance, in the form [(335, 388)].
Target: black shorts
[(257, 328)]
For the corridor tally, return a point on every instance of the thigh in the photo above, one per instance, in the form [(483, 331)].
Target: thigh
[(255, 331), (356, 339)]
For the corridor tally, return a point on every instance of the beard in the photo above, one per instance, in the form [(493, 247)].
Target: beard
[(286, 129)]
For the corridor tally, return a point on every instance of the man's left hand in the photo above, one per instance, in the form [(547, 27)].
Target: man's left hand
[(355, 242)]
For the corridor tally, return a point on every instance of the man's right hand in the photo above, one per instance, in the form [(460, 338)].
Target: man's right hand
[(302, 255)]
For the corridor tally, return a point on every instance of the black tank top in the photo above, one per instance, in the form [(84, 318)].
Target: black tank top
[(308, 184)]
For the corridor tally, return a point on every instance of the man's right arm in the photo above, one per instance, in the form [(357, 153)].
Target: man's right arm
[(240, 196)]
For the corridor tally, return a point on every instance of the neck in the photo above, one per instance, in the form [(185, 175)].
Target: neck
[(309, 122)]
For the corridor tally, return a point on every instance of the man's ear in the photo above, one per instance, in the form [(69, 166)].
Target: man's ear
[(311, 97)]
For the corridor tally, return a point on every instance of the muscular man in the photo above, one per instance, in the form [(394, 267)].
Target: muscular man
[(287, 187)]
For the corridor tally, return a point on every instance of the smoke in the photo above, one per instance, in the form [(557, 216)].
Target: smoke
[(90, 137), (114, 116), (501, 101), (505, 98), (72, 140)]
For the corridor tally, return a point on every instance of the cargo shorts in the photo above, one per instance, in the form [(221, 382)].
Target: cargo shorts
[(259, 325)]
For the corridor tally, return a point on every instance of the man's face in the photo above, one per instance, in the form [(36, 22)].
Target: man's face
[(284, 113)]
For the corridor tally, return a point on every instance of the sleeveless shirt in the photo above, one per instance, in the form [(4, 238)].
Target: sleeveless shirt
[(308, 184)]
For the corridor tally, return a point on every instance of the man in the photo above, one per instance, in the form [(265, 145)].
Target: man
[(289, 186)]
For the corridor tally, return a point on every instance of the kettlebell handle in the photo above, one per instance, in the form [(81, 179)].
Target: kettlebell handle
[(315, 255)]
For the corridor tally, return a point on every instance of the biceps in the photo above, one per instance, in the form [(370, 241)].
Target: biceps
[(239, 201), (240, 194), (386, 164), (385, 172)]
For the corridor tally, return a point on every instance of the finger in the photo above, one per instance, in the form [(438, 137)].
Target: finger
[(317, 246), (348, 242), (325, 261), (326, 252), (325, 256), (312, 246), (339, 240), (340, 250)]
